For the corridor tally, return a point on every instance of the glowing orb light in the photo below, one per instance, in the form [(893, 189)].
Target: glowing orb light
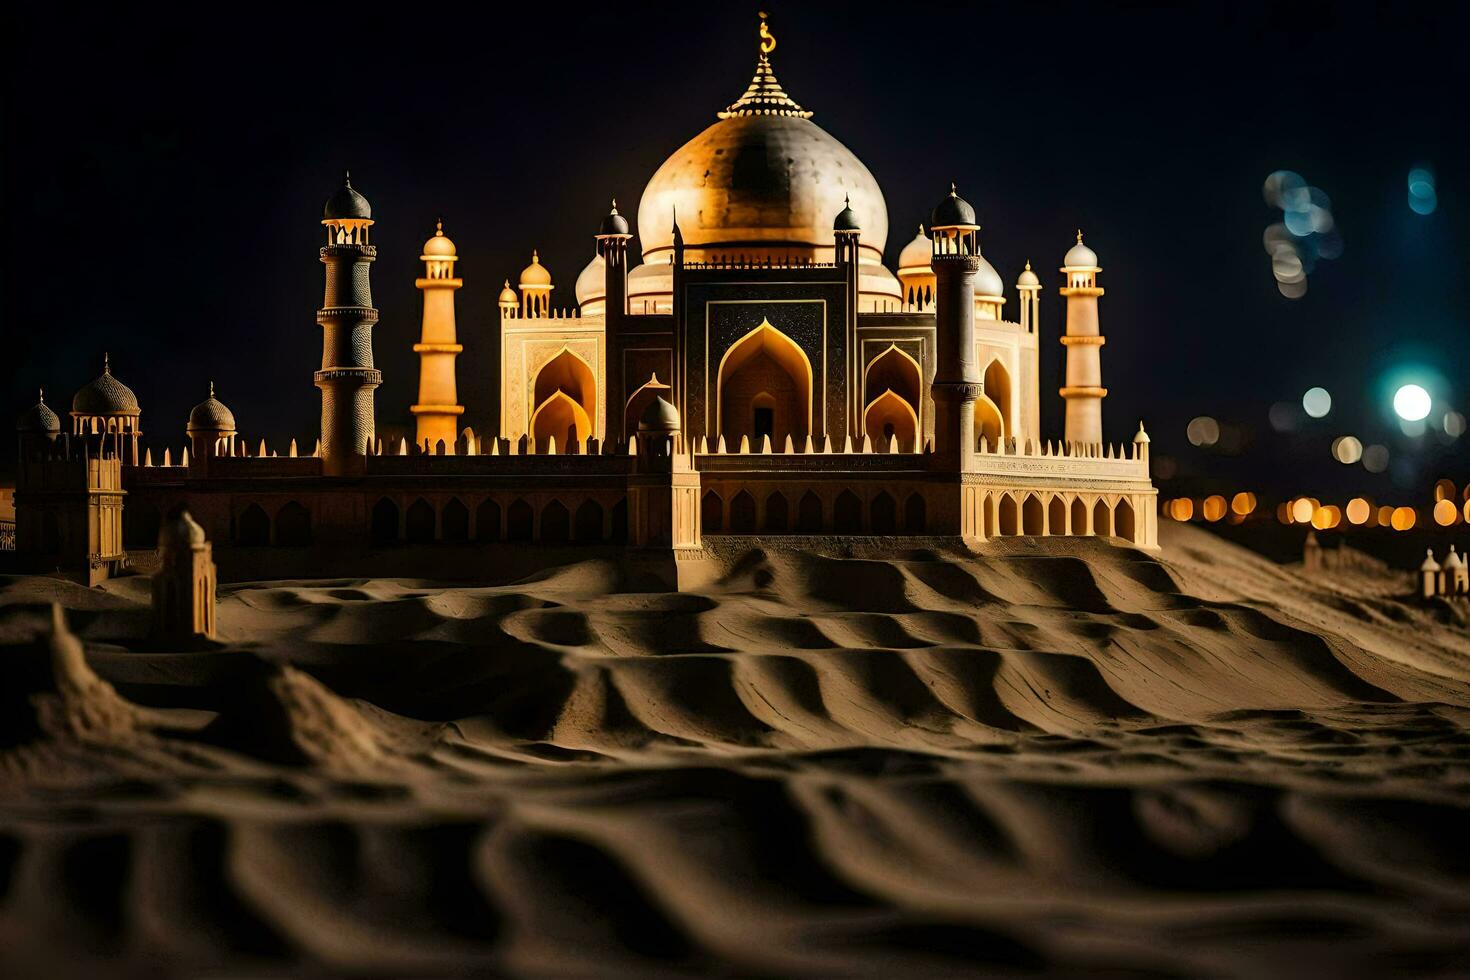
[(1317, 403), (1411, 403)]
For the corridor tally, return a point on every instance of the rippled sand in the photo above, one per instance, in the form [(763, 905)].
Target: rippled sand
[(1060, 757)]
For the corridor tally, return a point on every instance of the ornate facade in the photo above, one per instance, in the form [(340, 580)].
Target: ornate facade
[(744, 364)]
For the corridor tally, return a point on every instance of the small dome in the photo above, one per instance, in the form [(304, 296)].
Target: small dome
[(180, 531), (1027, 277), (211, 415), (1453, 560), (953, 212), (987, 281), (535, 274), (614, 225), (1430, 565), (1079, 256), (105, 395), (440, 245), (916, 254), (1141, 439), (592, 281), (346, 203), (38, 418), (659, 416), (847, 219), (508, 295)]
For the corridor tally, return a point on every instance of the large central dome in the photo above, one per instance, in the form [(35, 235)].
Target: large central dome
[(764, 181)]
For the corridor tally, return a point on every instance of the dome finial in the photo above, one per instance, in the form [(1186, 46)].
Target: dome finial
[(439, 227), (1028, 265), (1079, 236), (614, 205), (43, 395), (106, 362), (347, 178), (535, 257), (211, 389), (768, 40)]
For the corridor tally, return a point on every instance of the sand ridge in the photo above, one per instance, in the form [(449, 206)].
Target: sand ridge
[(1053, 757)]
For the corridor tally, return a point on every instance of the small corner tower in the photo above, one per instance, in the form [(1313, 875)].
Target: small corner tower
[(916, 273), (613, 235), (437, 411), (347, 378), (211, 430), (536, 288), (1029, 288), (184, 585), (1083, 340), (957, 382)]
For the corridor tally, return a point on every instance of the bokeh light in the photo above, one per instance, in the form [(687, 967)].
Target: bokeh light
[(1446, 513), (1306, 232), (1213, 508), (1411, 403), (1403, 518), (1375, 458), (1243, 503), (1317, 402), (1358, 511), (1203, 431), (1454, 424), (1302, 510), (1423, 198), (1444, 489), (1347, 449)]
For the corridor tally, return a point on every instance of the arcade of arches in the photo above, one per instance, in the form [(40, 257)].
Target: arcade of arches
[(893, 388)]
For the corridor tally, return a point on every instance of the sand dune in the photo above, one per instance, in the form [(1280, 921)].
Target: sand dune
[(1055, 758)]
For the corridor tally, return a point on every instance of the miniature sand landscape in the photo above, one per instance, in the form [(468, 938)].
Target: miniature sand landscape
[(1051, 758)]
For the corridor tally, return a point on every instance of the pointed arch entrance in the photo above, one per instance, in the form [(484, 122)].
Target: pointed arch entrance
[(564, 399), (764, 387), (998, 392), (988, 423), (892, 385)]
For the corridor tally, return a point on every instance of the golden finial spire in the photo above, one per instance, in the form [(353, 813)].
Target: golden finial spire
[(43, 395), (211, 389), (764, 96), (614, 205), (953, 190), (768, 40), (1079, 236), (106, 363), (438, 227), (535, 257), (1028, 265)]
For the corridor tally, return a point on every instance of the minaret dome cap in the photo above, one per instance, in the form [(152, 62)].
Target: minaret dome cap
[(347, 204), (1079, 256), (440, 246), (659, 416), (614, 225), (535, 274), (847, 219), (211, 415), (39, 418), (952, 213)]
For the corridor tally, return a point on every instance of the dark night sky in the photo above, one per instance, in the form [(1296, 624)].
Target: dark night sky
[(163, 175)]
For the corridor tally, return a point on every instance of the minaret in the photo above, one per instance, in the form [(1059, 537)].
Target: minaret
[(846, 232), (613, 236), (1029, 286), (535, 284), (347, 377), (1083, 389), (508, 302), (957, 380), (437, 412)]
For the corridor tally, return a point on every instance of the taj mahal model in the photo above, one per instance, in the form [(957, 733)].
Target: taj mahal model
[(759, 371)]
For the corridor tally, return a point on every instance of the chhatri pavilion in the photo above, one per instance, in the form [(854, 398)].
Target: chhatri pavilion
[(742, 363)]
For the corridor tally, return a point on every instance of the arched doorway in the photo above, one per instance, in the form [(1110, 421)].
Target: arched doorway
[(809, 513), (1056, 516), (418, 523), (556, 523), (778, 517), (254, 527), (454, 522), (742, 513), (384, 528), (764, 383), (914, 516), (519, 518), (847, 513), (891, 390), (293, 526), (487, 520), (889, 416), (562, 419), (1124, 520), (711, 513), (588, 526), (1102, 519), (1033, 516), (575, 411), (1079, 516), (988, 423), (998, 390), (1009, 518), (883, 514)]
